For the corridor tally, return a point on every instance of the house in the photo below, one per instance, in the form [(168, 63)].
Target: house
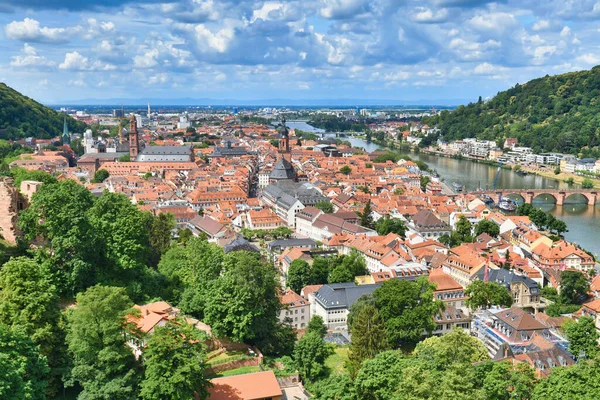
[(295, 310), (256, 386), (449, 319), (332, 302), (512, 327), (450, 292), (317, 225), (590, 309), (463, 263), (214, 231), (426, 224), (264, 219), (525, 291), (562, 255)]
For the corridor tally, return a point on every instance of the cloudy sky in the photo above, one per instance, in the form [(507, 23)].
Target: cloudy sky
[(57, 50)]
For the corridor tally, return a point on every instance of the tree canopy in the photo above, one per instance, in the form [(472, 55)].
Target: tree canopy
[(485, 294)]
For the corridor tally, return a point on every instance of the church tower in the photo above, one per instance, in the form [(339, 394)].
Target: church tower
[(66, 138), (283, 170), (134, 142), (284, 142)]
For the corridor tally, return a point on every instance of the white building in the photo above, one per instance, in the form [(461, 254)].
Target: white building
[(295, 311)]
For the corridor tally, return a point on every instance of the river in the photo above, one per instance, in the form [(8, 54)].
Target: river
[(583, 221)]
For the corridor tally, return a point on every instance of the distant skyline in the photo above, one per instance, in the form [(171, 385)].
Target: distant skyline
[(451, 51)]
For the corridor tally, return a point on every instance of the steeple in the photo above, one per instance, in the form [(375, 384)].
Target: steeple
[(284, 141), (66, 138), (134, 142)]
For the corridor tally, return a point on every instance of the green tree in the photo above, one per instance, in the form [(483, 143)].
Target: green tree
[(570, 181), (334, 387), (23, 370), (21, 174), (587, 183), (346, 170), (298, 275), (369, 336), (455, 347), (58, 215), (574, 287), (160, 235), (366, 216), (174, 360), (579, 381), (103, 364), (324, 206), (379, 378), (193, 270), (487, 226), (347, 267), (309, 355), (317, 325), (583, 337), (364, 301), (100, 176), (122, 228), (242, 304), (125, 158), (383, 226), (424, 179), (319, 271), (184, 235), (29, 301), (407, 307), (556, 170), (464, 229), (485, 294), (558, 226)]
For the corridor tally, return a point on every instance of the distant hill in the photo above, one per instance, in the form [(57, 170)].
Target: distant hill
[(558, 113), (22, 117)]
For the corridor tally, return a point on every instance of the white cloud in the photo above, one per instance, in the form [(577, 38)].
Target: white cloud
[(30, 30), (566, 31), (589, 58), (29, 58), (541, 25), (218, 41), (76, 62), (426, 15)]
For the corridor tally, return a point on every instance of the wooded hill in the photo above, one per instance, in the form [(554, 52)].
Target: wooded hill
[(21, 116), (558, 113)]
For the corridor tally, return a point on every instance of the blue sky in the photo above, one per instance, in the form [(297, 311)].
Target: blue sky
[(57, 50)]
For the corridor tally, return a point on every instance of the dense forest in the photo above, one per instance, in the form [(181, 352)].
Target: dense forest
[(22, 117), (551, 114)]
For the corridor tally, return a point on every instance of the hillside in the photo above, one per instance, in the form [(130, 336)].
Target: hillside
[(558, 113), (22, 117)]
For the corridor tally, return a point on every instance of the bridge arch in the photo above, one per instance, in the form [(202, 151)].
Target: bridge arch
[(516, 196), (545, 197), (579, 198)]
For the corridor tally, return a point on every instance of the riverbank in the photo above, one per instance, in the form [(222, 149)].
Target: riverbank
[(546, 173), (562, 177)]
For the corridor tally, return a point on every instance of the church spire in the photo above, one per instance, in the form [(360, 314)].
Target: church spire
[(66, 138)]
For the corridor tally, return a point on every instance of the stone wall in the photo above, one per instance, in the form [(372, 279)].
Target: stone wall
[(9, 208)]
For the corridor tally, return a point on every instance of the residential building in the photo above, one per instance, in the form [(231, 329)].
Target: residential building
[(427, 225), (295, 311), (332, 302)]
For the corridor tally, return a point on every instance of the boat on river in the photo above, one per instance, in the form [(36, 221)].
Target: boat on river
[(507, 204), (458, 187), (521, 173)]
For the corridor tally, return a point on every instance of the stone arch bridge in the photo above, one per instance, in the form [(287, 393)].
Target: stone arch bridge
[(528, 195)]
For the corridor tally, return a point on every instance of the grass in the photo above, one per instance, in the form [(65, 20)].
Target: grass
[(337, 361), (239, 371), (226, 357)]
